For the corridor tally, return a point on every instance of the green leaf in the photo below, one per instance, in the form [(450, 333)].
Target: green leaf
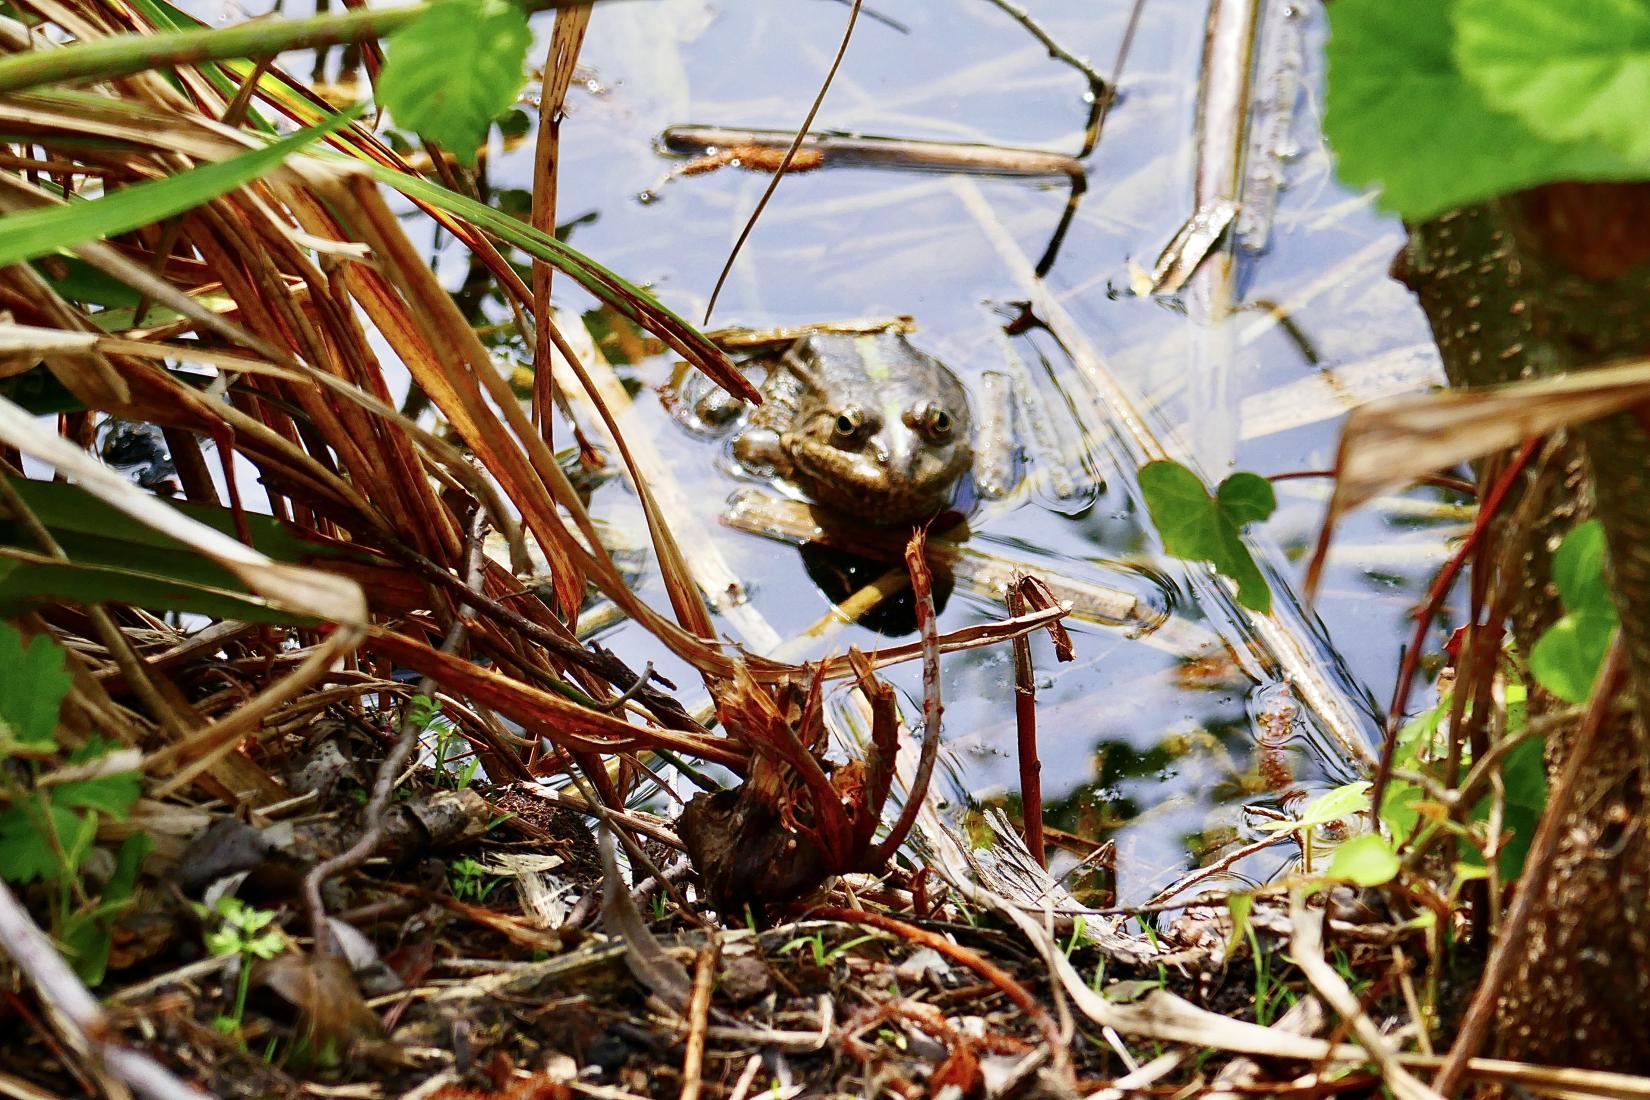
[(1343, 801), (127, 865), (1572, 72), (455, 69), (1524, 779), (110, 794), (32, 686), (1566, 659), (1366, 860), (25, 854), (1398, 808), (1198, 526), (86, 942), (1238, 907), (39, 232), (33, 833), (1578, 570), (1246, 498), (1401, 114)]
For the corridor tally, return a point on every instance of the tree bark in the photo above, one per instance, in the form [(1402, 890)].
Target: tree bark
[(1545, 282)]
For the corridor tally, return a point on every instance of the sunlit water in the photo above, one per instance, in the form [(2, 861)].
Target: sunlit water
[(1137, 745)]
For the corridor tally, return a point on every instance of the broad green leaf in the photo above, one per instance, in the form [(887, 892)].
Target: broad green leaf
[(39, 232), (1366, 860), (454, 69), (1198, 526), (33, 682), (1401, 115), (1246, 498), (1572, 72), (1566, 659), (1524, 781), (1578, 570)]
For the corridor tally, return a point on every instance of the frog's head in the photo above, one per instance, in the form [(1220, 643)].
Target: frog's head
[(887, 444)]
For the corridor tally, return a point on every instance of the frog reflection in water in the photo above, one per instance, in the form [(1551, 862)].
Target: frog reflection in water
[(864, 424)]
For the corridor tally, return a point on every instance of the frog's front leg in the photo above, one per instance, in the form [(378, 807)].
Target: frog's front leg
[(761, 450)]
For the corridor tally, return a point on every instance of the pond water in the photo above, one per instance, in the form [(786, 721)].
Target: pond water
[(1144, 739), (1136, 743)]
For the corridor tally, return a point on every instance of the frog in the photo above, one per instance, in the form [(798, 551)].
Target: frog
[(862, 423)]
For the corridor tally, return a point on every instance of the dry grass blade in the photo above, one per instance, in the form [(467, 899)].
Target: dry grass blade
[(287, 587), (1392, 442), (1389, 443), (1306, 947)]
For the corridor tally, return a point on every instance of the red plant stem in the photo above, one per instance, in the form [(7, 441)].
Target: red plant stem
[(1538, 866), (1025, 728), (957, 953), (922, 587), (1435, 598)]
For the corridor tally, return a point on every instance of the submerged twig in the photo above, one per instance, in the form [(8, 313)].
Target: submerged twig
[(876, 152)]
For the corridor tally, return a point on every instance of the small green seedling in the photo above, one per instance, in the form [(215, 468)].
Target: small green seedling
[(249, 933)]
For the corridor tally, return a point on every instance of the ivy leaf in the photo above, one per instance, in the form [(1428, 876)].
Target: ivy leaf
[(1366, 860), (33, 687), (1572, 72), (1199, 527), (454, 69), (1401, 114), (1246, 498)]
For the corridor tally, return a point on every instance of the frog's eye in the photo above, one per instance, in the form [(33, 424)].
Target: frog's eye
[(848, 423), (933, 422)]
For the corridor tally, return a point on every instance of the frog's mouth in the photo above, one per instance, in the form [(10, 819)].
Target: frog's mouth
[(877, 487)]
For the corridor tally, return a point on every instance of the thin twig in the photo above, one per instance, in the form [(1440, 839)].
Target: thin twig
[(790, 155), (922, 587), (1025, 728), (698, 1014)]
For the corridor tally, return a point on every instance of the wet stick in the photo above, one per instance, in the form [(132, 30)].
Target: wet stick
[(1025, 728)]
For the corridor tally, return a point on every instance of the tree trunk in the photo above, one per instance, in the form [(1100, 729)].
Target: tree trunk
[(1552, 280)]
